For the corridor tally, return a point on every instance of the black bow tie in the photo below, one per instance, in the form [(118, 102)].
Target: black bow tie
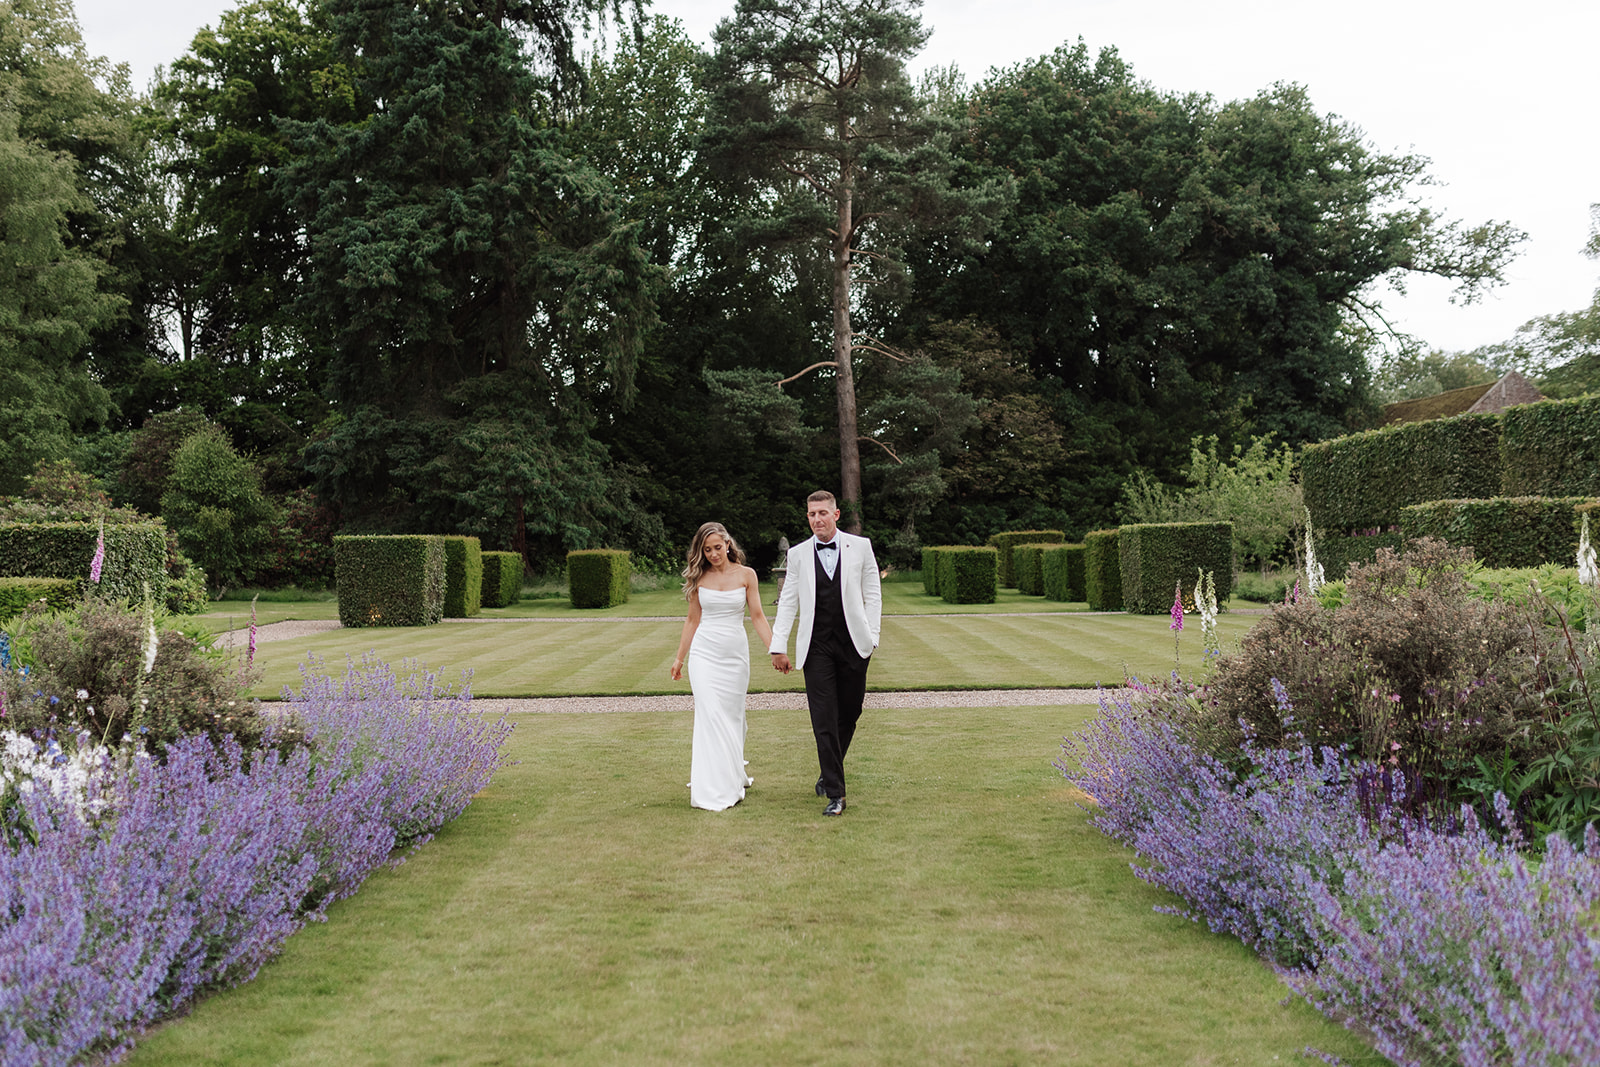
[(830, 544)]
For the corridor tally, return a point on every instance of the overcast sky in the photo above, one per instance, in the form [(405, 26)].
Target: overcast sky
[(1502, 98)]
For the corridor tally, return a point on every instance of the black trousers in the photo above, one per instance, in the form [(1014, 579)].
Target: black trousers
[(836, 686)]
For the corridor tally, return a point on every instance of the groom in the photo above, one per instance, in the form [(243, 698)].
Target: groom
[(833, 588)]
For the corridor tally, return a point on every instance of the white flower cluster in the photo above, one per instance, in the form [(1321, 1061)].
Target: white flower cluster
[(81, 777), (1315, 578), (1588, 567)]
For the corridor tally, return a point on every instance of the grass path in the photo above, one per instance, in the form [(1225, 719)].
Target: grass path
[(618, 656), (961, 912)]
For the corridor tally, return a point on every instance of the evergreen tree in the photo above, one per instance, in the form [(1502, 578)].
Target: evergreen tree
[(471, 283)]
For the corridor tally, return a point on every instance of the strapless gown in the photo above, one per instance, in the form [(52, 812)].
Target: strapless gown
[(719, 675)]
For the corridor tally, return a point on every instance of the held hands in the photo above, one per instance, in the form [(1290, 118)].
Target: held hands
[(780, 662)]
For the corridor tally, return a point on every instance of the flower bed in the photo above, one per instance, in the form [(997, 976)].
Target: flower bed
[(1443, 941), (131, 885)]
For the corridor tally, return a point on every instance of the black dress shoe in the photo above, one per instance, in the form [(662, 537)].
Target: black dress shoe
[(820, 791), (835, 807)]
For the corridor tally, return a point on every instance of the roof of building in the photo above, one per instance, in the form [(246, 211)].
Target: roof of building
[(1488, 399)]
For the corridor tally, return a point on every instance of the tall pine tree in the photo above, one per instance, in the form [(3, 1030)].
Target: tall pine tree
[(811, 104)]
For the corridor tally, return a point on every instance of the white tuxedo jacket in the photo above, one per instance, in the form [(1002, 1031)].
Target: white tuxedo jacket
[(859, 590)]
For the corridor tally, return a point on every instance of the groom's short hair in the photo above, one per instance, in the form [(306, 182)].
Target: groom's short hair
[(821, 495)]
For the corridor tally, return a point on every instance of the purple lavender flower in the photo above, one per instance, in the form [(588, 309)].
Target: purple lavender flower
[(165, 879), (1443, 942)]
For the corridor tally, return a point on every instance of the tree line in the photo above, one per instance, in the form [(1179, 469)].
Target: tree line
[(427, 267)]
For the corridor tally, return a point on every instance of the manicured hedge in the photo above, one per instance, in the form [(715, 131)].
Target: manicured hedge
[(463, 577), (598, 577), (969, 574), (1062, 568), (1549, 449), (1363, 480), (135, 558), (17, 593), (1518, 531), (1156, 557), (1003, 543), (1337, 551), (389, 580), (1027, 568), (1102, 570), (502, 579), (930, 569)]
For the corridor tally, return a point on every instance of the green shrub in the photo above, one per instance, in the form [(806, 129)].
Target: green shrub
[(1522, 531), (16, 594), (135, 557), (214, 503), (1158, 557), (1062, 571), (186, 584), (598, 577), (1271, 589), (1102, 570), (98, 648), (1410, 667), (502, 579), (1338, 552), (969, 574), (1362, 481), (1003, 543), (463, 577), (389, 580), (930, 570), (1543, 590), (1549, 449)]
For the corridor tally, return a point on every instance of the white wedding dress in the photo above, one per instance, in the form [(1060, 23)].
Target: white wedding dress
[(719, 675)]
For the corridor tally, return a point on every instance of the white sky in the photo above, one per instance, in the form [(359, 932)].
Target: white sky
[(1502, 98)]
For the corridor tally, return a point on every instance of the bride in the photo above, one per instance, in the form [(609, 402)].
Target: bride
[(719, 587)]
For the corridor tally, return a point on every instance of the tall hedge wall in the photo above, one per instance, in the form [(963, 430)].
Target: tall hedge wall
[(1156, 557), (135, 559), (598, 577), (1362, 481), (389, 580), (1549, 449), (463, 577), (502, 579), (1102, 570), (17, 593), (1521, 531), (1337, 551), (1062, 567), (1003, 543), (969, 574)]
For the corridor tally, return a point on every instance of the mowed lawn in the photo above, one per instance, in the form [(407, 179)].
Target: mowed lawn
[(961, 912), (578, 656)]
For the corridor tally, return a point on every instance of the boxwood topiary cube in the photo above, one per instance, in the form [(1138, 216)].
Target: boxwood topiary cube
[(598, 577)]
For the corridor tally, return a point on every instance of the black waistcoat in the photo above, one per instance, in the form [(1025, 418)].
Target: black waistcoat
[(827, 620)]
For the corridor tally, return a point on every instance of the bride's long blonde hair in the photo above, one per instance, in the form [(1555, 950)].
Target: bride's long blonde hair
[(695, 569)]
